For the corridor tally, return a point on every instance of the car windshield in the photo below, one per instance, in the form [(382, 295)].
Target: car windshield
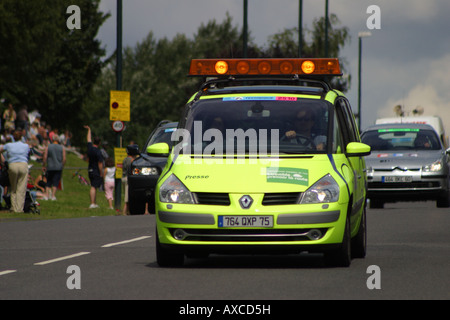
[(401, 139), (258, 125), (162, 135)]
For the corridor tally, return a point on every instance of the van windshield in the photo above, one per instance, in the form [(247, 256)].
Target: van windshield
[(258, 125)]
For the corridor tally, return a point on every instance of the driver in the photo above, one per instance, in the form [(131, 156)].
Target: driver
[(302, 133)]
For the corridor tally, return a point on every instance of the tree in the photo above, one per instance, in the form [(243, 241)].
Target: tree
[(45, 65), (155, 71), (285, 44)]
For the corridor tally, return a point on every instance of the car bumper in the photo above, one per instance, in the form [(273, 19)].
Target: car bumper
[(142, 187), (194, 228), (422, 187)]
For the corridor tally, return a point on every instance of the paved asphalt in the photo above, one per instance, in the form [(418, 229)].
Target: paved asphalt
[(408, 245)]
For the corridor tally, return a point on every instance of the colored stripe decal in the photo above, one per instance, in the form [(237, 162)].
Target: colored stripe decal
[(333, 164)]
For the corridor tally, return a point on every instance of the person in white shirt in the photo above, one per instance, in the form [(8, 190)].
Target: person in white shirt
[(17, 155), (109, 176)]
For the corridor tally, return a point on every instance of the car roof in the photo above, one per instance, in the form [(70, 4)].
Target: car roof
[(267, 89), (399, 125)]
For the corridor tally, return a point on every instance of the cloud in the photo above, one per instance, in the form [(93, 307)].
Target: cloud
[(431, 91)]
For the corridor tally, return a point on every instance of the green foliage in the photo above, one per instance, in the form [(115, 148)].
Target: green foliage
[(60, 72), (45, 65), (285, 44)]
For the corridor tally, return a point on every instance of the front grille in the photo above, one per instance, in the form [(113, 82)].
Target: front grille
[(218, 199), (270, 199), (275, 199), (248, 235)]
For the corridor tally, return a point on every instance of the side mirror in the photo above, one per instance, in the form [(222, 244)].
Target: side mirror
[(158, 149), (357, 149)]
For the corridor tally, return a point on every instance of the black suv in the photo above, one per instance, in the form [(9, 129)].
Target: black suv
[(146, 168)]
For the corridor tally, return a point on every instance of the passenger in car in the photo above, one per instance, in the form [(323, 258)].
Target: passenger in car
[(422, 142)]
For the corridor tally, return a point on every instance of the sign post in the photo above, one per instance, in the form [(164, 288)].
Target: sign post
[(119, 111)]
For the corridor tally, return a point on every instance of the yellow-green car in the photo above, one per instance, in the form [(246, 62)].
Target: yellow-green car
[(267, 159)]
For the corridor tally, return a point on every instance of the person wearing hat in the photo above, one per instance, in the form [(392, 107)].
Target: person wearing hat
[(132, 153)]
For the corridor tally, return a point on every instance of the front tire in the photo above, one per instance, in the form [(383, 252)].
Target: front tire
[(359, 242), (136, 205), (444, 200), (167, 258), (342, 256)]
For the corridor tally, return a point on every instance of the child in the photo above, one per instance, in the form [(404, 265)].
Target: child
[(109, 176)]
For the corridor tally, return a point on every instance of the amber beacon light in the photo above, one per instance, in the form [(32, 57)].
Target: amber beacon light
[(265, 67)]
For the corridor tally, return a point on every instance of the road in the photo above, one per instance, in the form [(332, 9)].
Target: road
[(114, 257)]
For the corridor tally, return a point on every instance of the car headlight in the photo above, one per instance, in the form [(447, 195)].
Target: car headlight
[(145, 171), (435, 166), (324, 190), (174, 191)]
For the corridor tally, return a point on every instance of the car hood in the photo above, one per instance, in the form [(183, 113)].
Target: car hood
[(411, 159), (149, 161), (295, 174)]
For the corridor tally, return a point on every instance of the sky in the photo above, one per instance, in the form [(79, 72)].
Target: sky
[(405, 61)]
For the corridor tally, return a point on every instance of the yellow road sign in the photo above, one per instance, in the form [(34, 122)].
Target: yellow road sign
[(119, 155), (119, 106)]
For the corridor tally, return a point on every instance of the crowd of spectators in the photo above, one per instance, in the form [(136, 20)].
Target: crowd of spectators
[(35, 131)]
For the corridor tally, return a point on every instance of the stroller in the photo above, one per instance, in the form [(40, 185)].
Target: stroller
[(30, 206)]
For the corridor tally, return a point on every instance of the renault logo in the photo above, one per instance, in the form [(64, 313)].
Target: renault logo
[(245, 202)]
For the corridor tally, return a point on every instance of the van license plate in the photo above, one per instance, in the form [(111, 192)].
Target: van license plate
[(246, 221)]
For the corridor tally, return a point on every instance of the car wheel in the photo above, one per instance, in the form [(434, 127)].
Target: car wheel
[(135, 205), (443, 201), (167, 258), (376, 204), (359, 242), (340, 257)]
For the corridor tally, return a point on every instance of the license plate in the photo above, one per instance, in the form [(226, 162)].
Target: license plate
[(246, 221), (397, 179)]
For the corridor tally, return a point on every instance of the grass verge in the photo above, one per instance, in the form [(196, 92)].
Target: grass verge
[(72, 201)]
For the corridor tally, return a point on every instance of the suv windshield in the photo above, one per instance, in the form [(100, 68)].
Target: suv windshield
[(258, 125), (401, 139), (162, 135)]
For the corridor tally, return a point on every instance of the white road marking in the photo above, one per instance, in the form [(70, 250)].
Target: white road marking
[(77, 254), (61, 258), (126, 241), (7, 272)]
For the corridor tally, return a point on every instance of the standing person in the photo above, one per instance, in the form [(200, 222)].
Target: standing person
[(95, 167), (22, 120), (10, 116), (54, 158), (132, 153), (17, 155), (109, 178)]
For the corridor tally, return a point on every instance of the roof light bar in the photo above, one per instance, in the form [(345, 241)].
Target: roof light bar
[(264, 67)]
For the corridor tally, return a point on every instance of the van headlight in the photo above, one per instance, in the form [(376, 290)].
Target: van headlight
[(434, 167), (174, 191), (324, 190)]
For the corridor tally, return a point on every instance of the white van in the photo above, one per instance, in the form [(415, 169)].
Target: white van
[(434, 121)]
